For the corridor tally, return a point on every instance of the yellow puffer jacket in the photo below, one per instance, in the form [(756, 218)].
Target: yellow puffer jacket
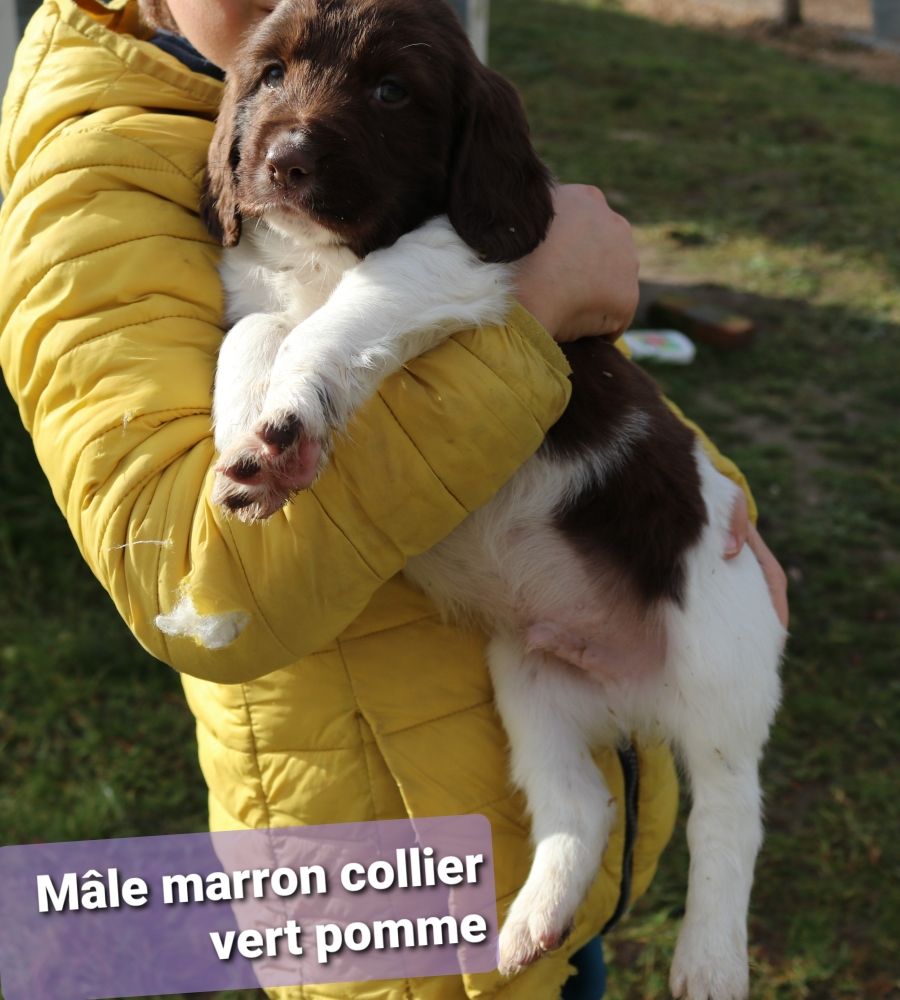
[(345, 698)]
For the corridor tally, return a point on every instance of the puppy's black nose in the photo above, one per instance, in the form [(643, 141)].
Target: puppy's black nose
[(290, 164)]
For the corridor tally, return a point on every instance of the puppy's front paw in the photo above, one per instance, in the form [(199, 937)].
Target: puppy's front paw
[(709, 967), (310, 404), (256, 477)]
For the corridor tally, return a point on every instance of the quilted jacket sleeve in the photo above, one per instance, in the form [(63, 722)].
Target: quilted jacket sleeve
[(109, 328)]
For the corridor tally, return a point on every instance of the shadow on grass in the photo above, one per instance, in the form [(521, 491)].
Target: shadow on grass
[(686, 123)]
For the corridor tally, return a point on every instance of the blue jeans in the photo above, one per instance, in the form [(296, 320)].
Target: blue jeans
[(589, 982)]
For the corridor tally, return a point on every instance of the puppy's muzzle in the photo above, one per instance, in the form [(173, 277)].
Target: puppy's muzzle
[(291, 163)]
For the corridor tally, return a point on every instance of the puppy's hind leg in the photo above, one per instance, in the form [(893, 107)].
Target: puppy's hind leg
[(568, 800), (724, 834), (722, 725)]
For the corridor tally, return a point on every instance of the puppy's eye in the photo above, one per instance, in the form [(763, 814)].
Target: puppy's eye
[(390, 92), (273, 76)]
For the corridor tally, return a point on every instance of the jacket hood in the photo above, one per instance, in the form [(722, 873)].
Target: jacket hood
[(81, 57)]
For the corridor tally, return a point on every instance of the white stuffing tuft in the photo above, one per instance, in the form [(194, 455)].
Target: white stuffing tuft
[(211, 631)]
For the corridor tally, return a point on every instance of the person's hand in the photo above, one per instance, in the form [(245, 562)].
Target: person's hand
[(583, 279), (743, 532)]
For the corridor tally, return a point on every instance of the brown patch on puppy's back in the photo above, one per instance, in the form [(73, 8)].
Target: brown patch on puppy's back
[(648, 511)]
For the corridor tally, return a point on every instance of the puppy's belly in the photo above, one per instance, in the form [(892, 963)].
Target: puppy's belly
[(509, 568)]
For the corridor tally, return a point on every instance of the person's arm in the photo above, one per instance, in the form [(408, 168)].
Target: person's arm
[(109, 311)]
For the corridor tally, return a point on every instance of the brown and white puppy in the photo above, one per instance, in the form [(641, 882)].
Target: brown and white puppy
[(374, 182)]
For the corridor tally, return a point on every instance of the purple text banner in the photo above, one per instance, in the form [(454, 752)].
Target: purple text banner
[(277, 907)]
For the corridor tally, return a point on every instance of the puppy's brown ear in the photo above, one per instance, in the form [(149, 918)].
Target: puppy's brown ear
[(499, 198), (219, 200)]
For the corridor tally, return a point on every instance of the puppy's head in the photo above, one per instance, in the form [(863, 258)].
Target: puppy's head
[(356, 120)]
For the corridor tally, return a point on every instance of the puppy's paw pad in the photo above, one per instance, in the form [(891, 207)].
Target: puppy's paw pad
[(279, 433), (302, 407), (517, 948), (549, 939), (296, 466), (247, 503), (538, 922), (243, 470), (245, 485), (290, 451), (242, 463)]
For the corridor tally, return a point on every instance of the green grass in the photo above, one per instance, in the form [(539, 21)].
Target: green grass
[(773, 179), (776, 180)]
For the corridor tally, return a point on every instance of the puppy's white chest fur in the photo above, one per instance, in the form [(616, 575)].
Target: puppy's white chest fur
[(275, 271)]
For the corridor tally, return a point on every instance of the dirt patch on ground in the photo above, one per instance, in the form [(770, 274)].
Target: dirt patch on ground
[(853, 15), (831, 34)]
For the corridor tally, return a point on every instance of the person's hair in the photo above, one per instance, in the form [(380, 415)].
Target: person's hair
[(156, 13)]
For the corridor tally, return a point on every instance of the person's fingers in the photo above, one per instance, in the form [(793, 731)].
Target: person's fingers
[(582, 280), (776, 578), (741, 532), (739, 526), (624, 296)]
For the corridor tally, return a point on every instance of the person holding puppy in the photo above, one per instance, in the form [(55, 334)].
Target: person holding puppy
[(342, 697)]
